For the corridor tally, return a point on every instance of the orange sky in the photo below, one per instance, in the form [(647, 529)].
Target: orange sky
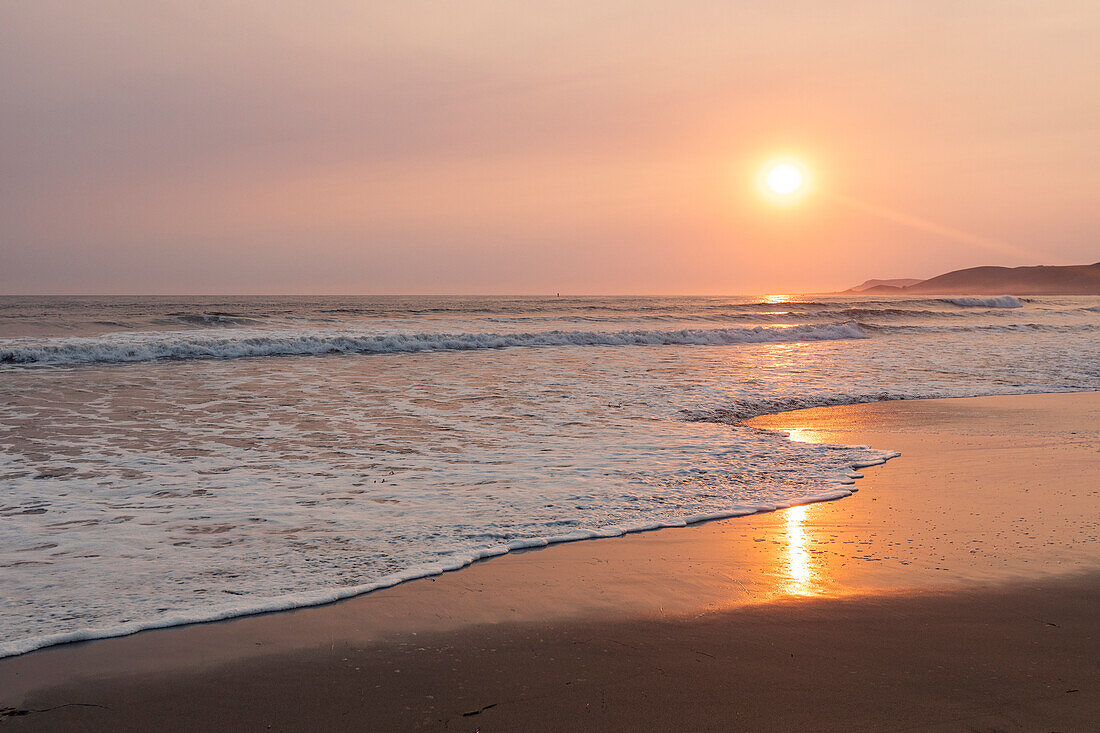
[(574, 147)]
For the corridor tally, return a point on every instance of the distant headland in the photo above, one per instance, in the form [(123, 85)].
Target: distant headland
[(1038, 280)]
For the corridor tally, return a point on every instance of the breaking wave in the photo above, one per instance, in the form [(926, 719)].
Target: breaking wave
[(211, 318), (1000, 301), (154, 346)]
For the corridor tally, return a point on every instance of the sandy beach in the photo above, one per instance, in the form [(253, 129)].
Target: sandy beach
[(957, 590)]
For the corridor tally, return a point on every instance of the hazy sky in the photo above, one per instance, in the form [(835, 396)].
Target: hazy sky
[(522, 147)]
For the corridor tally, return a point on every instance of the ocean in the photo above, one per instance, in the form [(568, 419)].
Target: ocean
[(166, 460)]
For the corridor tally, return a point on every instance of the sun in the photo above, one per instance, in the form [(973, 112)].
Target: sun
[(784, 179)]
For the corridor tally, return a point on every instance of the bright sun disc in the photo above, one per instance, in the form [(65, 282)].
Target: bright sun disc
[(784, 179)]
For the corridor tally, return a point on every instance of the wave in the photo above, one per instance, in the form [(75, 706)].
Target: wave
[(210, 318), (852, 313), (1027, 327), (1000, 301), (739, 410), (830, 491), (155, 346), (745, 409)]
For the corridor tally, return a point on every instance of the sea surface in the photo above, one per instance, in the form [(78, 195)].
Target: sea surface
[(176, 459)]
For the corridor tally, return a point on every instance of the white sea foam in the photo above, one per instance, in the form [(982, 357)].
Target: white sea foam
[(154, 345), (259, 604), (1000, 301)]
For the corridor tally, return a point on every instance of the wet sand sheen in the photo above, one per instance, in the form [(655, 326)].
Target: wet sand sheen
[(959, 583)]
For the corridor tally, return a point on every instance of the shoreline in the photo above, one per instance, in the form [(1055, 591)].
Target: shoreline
[(704, 572), (328, 596)]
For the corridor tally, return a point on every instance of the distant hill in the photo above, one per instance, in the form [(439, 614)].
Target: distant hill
[(898, 282), (1039, 280)]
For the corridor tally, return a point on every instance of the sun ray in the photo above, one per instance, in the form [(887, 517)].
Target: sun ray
[(924, 225)]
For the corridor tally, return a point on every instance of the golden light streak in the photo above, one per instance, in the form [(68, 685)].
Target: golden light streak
[(924, 225)]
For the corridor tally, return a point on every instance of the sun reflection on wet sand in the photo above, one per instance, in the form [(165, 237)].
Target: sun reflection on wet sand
[(800, 552), (807, 435), (801, 573), (796, 555)]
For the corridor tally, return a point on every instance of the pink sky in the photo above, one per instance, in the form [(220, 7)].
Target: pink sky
[(573, 147)]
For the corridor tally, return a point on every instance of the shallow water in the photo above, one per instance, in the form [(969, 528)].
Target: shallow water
[(173, 459)]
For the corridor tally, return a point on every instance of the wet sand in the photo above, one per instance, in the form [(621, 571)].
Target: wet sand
[(957, 590)]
